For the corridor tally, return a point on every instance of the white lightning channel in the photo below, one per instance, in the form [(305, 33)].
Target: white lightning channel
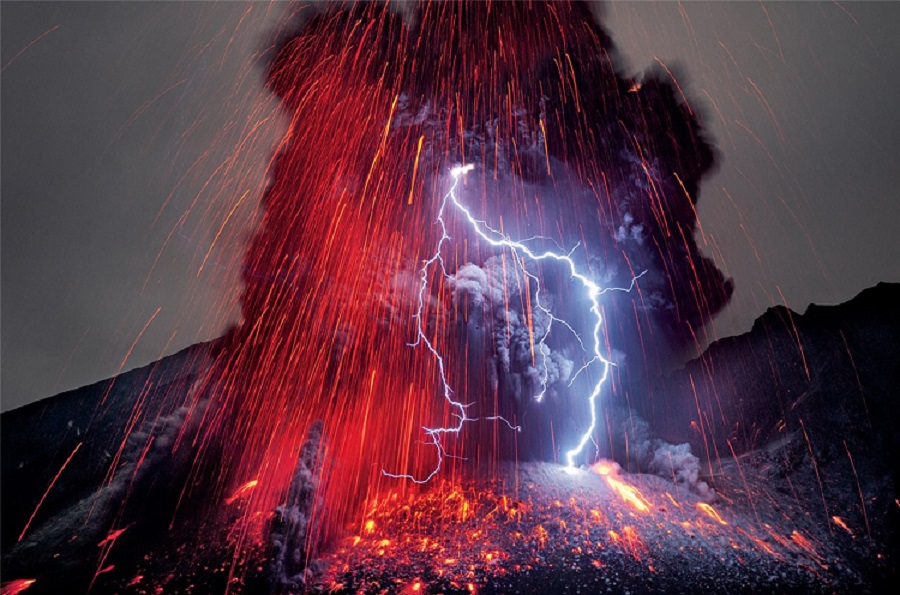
[(498, 239)]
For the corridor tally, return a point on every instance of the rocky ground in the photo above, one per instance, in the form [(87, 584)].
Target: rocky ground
[(802, 458), (542, 529)]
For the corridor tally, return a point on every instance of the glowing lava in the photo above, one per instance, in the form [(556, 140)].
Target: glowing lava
[(630, 494), (447, 534), (711, 513)]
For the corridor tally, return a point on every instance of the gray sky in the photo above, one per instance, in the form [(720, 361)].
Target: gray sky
[(130, 130)]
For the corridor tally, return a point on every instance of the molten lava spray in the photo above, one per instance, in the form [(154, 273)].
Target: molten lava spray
[(562, 151)]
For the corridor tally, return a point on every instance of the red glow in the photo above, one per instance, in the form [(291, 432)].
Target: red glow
[(328, 305), (16, 586), (241, 491), (112, 537)]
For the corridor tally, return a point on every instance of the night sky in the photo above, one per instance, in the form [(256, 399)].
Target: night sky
[(118, 120)]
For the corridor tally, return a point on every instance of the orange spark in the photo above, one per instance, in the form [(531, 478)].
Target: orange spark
[(711, 512), (603, 467), (44, 497), (412, 185), (840, 523), (629, 494)]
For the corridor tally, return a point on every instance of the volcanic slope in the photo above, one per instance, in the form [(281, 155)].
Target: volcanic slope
[(794, 513), (540, 528)]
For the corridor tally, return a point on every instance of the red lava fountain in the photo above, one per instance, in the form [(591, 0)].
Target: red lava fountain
[(381, 106)]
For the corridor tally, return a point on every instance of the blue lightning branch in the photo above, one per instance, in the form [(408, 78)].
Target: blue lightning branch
[(498, 239)]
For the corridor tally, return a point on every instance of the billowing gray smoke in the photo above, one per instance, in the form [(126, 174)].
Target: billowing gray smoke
[(495, 295), (574, 148), (633, 443), (290, 540)]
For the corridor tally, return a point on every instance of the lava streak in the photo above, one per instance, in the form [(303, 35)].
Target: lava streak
[(630, 494), (16, 586)]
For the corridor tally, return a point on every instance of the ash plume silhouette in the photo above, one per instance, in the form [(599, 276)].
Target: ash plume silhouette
[(566, 148)]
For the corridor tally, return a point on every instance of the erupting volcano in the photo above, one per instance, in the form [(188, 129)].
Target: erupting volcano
[(576, 180), (475, 268)]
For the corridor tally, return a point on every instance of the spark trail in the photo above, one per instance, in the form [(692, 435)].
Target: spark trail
[(498, 239)]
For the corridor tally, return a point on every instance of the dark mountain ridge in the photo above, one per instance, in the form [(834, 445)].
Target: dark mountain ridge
[(834, 367)]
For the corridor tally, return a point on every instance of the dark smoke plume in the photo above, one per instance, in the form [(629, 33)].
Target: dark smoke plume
[(291, 545), (484, 290), (566, 149), (622, 156)]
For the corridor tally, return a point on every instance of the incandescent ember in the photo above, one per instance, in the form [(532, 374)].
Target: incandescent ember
[(582, 530)]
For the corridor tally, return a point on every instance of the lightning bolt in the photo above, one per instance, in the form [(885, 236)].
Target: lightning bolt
[(498, 239)]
